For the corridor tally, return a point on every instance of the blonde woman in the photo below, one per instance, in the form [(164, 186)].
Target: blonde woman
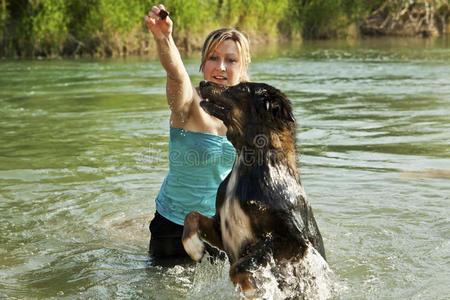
[(200, 156)]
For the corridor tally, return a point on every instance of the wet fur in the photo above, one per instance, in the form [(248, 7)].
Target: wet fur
[(261, 207)]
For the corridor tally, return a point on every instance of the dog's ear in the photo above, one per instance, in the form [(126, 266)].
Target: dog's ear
[(279, 110), (272, 103), (279, 106), (287, 113)]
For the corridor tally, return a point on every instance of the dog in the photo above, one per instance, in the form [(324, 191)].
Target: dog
[(262, 213)]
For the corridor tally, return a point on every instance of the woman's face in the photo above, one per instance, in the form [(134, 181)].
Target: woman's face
[(223, 65)]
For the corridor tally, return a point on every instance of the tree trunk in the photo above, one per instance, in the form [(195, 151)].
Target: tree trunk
[(408, 18)]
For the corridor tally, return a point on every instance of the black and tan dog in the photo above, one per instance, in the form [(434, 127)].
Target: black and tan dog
[(261, 208)]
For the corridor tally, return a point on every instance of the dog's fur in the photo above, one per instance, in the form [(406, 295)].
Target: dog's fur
[(261, 207)]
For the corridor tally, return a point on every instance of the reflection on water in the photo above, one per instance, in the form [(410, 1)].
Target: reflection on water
[(84, 150)]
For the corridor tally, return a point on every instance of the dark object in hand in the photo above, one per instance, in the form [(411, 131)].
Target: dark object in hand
[(163, 14)]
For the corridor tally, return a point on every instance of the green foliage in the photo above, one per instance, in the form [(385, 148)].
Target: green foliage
[(328, 18), (84, 18), (192, 15), (258, 15), (4, 15), (49, 27), (122, 16), (116, 23), (116, 27)]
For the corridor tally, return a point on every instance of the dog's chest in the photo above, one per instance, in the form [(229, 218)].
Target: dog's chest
[(234, 222), (235, 226)]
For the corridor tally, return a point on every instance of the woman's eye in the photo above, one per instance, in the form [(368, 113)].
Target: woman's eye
[(231, 60), (213, 58)]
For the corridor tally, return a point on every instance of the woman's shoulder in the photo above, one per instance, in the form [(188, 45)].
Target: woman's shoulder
[(200, 121)]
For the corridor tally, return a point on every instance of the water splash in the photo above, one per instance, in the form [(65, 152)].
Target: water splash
[(309, 278), (211, 277)]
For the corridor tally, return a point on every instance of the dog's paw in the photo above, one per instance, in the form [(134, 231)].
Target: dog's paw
[(243, 283), (194, 246)]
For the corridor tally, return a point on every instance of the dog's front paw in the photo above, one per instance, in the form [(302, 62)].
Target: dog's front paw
[(194, 246)]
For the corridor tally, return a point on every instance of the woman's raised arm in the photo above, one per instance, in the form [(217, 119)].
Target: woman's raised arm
[(179, 89)]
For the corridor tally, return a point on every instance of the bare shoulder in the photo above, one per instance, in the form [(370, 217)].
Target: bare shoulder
[(200, 121)]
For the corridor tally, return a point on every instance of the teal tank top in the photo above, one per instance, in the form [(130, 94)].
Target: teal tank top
[(198, 163)]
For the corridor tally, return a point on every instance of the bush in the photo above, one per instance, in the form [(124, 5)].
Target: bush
[(116, 27)]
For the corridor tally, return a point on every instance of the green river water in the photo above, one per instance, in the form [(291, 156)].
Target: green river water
[(83, 152)]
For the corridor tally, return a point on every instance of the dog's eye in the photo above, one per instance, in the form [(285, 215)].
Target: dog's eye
[(261, 92), (244, 89)]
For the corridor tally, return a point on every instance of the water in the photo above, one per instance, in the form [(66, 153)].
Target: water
[(83, 152)]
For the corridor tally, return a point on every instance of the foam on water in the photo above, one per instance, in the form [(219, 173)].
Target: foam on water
[(309, 278), (211, 277)]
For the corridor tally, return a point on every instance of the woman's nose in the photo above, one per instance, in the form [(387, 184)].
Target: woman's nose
[(222, 65)]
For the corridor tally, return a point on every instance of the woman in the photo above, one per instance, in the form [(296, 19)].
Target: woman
[(200, 156)]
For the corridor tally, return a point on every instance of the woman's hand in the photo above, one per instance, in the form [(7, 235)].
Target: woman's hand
[(161, 28)]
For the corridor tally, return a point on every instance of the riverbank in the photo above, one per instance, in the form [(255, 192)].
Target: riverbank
[(266, 49), (105, 28)]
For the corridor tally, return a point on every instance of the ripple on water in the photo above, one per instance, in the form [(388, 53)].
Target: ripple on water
[(83, 154)]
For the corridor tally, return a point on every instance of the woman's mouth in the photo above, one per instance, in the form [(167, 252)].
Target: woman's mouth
[(220, 79)]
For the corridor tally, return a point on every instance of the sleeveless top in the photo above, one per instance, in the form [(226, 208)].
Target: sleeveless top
[(198, 163)]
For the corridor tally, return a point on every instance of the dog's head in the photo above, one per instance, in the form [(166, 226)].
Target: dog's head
[(248, 109)]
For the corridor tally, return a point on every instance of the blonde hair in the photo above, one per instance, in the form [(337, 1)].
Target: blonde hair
[(216, 37)]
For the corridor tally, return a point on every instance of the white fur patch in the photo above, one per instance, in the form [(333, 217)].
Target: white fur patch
[(238, 230), (234, 223), (194, 247)]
